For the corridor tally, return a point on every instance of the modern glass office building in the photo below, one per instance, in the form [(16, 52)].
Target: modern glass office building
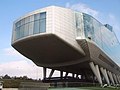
[(70, 41)]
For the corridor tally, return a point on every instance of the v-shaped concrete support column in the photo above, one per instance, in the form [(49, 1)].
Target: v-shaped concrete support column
[(111, 77), (115, 78), (105, 75), (118, 78), (96, 72), (51, 73)]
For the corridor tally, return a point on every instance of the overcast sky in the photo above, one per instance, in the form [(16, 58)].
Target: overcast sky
[(11, 62)]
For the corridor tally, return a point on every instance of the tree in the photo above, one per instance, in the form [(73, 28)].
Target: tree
[(25, 77), (6, 77)]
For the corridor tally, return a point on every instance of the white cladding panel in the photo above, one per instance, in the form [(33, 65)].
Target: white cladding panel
[(64, 26)]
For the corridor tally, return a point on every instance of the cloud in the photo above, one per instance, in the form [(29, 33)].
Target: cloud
[(24, 68), (102, 17), (112, 20), (83, 8), (11, 51), (12, 54), (21, 68)]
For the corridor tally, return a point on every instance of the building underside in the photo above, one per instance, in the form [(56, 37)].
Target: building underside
[(56, 54)]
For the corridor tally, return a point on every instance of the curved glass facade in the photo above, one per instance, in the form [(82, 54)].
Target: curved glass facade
[(101, 35), (30, 25)]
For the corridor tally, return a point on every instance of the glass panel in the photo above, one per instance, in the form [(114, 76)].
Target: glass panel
[(26, 30), (88, 27), (31, 25), (27, 20), (42, 25), (103, 37), (17, 32), (36, 27), (42, 22), (79, 25), (31, 18), (97, 32), (21, 32), (18, 24), (36, 16), (43, 15), (22, 21)]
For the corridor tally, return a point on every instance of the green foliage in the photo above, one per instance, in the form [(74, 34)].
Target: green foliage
[(14, 82), (84, 88)]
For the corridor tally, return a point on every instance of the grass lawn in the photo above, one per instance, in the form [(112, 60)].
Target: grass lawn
[(98, 88), (84, 88)]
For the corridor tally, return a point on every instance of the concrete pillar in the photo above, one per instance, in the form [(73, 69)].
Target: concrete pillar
[(118, 78), (76, 75), (66, 74), (96, 72), (61, 74), (44, 73), (105, 75), (111, 77), (51, 73), (115, 78), (73, 75)]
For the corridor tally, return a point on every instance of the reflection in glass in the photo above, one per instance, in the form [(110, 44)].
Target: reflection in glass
[(42, 26), (104, 38), (26, 29), (36, 26), (30, 25)]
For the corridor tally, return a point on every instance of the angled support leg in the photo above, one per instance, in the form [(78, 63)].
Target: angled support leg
[(44, 72), (51, 73), (104, 73), (111, 77), (61, 74), (96, 72), (115, 78), (66, 74), (118, 79)]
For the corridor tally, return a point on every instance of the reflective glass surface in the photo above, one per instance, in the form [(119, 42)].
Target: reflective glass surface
[(30, 25), (79, 25), (102, 35)]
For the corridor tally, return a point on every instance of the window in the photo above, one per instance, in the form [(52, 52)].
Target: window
[(26, 30), (17, 33), (36, 23), (37, 16), (42, 22), (43, 15), (18, 24), (21, 32), (42, 26), (36, 26), (30, 25)]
